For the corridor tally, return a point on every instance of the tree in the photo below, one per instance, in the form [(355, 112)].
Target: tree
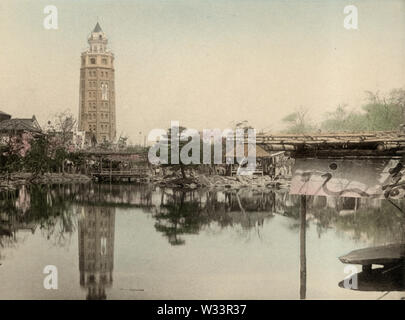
[(37, 160), (169, 138), (122, 142), (60, 132), (62, 125), (244, 124), (397, 97), (382, 112), (11, 153), (298, 122), (343, 120)]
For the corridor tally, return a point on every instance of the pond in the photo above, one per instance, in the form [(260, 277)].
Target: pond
[(141, 242)]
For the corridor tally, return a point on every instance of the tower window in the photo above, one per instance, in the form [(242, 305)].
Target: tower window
[(104, 61), (93, 60)]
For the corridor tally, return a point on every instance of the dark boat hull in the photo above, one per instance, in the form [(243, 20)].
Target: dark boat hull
[(381, 279)]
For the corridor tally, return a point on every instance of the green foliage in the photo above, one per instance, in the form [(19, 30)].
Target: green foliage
[(106, 145), (298, 122), (46, 155), (37, 160), (77, 158), (379, 113), (136, 148), (343, 120), (167, 144), (9, 160), (379, 117)]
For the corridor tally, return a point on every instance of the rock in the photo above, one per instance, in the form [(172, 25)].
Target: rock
[(219, 182)]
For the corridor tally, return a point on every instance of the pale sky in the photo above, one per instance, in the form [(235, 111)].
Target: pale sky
[(206, 63)]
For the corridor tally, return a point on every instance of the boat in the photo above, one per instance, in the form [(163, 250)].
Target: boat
[(386, 255), (380, 279)]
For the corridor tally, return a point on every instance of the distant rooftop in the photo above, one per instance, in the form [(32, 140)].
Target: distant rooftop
[(18, 124)]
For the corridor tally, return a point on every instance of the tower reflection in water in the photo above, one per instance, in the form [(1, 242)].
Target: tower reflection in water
[(96, 250)]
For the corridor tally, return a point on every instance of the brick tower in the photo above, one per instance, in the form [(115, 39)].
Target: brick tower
[(97, 93)]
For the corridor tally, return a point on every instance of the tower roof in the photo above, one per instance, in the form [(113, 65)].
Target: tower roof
[(97, 28)]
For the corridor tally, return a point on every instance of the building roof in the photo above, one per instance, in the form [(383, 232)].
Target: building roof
[(97, 28), (18, 124), (5, 114), (260, 152)]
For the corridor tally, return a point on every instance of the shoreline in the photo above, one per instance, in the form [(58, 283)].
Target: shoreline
[(221, 182), (12, 181)]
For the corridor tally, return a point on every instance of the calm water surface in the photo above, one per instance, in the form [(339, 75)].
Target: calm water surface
[(139, 242)]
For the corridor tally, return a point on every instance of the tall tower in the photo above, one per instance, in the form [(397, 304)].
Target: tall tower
[(97, 93)]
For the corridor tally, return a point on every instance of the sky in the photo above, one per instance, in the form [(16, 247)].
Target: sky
[(205, 63)]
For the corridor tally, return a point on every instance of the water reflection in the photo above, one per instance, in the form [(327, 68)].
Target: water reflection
[(96, 250), (303, 243), (380, 279), (57, 213), (382, 268), (180, 213)]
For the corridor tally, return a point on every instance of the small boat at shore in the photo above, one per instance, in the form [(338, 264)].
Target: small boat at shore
[(388, 276), (380, 255)]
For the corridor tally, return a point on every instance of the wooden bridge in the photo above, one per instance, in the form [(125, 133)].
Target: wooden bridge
[(135, 169), (324, 145)]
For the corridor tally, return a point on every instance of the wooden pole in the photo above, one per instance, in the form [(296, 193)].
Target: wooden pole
[(110, 170), (303, 260)]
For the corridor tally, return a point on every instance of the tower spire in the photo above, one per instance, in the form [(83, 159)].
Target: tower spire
[(97, 28)]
